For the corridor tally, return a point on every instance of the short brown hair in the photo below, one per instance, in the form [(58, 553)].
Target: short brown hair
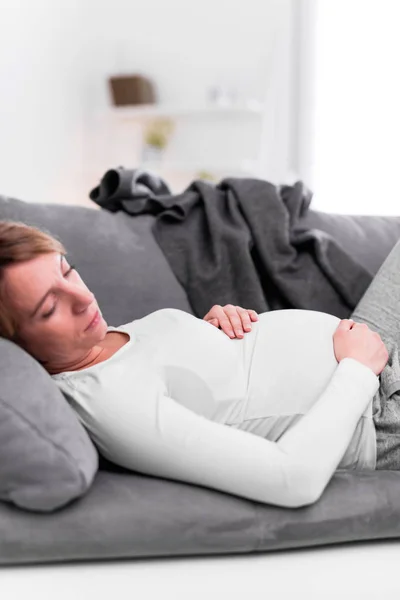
[(18, 243)]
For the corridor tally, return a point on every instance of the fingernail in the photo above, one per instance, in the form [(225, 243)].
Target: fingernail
[(239, 332), (247, 327)]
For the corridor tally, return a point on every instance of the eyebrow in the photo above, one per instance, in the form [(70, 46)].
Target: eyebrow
[(46, 294)]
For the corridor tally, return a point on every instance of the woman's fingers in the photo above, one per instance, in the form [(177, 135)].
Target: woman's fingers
[(233, 320), (236, 320)]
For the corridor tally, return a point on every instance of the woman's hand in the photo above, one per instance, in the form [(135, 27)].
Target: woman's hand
[(229, 318), (358, 341)]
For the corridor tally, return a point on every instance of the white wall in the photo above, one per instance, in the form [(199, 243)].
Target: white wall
[(40, 99), (55, 56)]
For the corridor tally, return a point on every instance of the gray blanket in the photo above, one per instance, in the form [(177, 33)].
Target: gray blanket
[(239, 242)]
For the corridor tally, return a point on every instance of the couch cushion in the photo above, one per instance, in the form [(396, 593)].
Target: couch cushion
[(367, 238)]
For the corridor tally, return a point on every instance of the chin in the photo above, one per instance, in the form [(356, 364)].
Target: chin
[(104, 325)]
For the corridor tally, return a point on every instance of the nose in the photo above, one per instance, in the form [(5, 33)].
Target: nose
[(82, 295)]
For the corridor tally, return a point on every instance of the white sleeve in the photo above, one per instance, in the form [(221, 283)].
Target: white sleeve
[(156, 435)]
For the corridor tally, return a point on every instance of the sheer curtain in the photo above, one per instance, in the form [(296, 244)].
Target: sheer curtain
[(351, 139)]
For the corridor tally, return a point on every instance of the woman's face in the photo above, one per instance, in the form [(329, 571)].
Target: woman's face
[(53, 329)]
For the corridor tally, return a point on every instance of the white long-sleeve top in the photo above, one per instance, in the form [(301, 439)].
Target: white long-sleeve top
[(268, 417)]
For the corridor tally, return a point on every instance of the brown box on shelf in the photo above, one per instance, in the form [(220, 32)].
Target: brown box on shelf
[(131, 89)]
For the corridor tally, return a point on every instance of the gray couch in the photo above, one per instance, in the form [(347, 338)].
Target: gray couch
[(61, 500)]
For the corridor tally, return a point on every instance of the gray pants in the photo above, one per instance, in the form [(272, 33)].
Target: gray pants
[(379, 308)]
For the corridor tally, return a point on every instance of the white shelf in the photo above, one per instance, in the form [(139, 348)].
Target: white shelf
[(180, 163), (150, 111), (245, 166)]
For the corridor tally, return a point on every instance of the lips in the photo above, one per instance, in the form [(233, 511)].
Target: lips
[(94, 318)]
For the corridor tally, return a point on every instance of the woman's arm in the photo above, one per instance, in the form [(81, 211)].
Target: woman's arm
[(150, 432), (321, 438)]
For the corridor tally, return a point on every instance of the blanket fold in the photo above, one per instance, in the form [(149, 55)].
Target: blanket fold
[(239, 242)]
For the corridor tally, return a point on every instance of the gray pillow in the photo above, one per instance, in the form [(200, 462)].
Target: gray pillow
[(47, 457)]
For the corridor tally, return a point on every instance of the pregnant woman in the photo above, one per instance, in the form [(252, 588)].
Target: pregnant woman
[(269, 415)]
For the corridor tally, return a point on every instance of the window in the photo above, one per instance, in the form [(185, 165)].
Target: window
[(354, 130)]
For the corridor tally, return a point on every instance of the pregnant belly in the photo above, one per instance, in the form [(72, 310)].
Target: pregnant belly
[(289, 357)]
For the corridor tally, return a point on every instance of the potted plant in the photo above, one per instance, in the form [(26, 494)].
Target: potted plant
[(156, 137)]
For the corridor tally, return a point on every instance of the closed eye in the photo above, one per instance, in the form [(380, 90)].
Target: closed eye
[(47, 315)]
